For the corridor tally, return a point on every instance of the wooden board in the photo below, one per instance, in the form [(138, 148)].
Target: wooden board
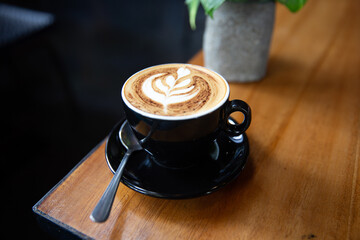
[(302, 180)]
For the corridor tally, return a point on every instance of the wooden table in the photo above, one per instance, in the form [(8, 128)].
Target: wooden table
[(302, 178)]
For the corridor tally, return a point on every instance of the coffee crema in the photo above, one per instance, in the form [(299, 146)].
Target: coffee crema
[(175, 90)]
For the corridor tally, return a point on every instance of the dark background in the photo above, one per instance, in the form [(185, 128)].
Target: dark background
[(60, 85)]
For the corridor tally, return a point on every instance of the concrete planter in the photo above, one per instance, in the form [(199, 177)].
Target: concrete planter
[(237, 40)]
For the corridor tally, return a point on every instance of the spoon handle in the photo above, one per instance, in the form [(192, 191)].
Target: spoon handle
[(102, 210)]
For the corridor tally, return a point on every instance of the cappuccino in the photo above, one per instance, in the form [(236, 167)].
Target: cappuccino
[(175, 90)]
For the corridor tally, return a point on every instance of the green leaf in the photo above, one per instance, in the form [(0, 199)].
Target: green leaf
[(193, 6), (239, 1), (293, 5), (211, 5)]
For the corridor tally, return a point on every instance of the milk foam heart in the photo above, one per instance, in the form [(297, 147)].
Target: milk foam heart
[(175, 90)]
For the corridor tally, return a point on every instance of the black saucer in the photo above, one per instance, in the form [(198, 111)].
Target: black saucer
[(146, 176)]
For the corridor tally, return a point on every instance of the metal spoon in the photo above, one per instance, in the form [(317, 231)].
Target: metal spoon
[(128, 139)]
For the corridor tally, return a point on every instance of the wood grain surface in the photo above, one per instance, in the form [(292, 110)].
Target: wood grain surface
[(302, 178)]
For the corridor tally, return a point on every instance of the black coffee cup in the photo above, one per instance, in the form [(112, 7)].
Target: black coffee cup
[(180, 141)]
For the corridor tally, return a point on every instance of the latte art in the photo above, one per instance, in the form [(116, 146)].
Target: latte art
[(165, 89), (174, 90)]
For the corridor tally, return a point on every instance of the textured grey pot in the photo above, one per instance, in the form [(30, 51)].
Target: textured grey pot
[(237, 40)]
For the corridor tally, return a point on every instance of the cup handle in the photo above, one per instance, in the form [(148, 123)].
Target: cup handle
[(237, 106)]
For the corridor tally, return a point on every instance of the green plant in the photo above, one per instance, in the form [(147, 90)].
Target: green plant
[(211, 5)]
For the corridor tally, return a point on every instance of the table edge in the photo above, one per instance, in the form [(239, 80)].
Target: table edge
[(41, 214)]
